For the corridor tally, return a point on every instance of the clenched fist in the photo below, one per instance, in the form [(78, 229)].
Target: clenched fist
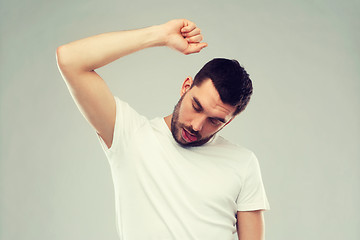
[(183, 36)]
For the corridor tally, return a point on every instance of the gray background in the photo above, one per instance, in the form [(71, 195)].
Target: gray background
[(302, 122)]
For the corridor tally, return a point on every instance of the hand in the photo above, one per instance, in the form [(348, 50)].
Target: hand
[(183, 36)]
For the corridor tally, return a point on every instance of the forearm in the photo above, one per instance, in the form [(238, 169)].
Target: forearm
[(93, 52)]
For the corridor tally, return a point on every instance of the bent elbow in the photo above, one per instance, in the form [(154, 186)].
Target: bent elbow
[(61, 58)]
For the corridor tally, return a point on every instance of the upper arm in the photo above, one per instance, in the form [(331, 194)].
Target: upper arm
[(92, 96), (250, 225)]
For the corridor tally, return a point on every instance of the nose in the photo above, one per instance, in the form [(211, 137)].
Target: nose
[(198, 123)]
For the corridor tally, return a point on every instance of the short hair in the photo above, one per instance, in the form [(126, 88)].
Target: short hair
[(230, 80)]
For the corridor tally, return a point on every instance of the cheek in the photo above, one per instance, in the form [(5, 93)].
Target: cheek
[(210, 129), (185, 114)]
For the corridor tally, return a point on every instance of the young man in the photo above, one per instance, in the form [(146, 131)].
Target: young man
[(174, 177)]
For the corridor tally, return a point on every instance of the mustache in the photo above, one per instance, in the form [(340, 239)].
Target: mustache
[(192, 131)]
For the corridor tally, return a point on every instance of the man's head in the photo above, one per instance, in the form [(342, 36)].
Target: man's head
[(231, 81), (220, 91)]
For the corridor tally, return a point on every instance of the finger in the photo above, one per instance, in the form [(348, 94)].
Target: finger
[(195, 48), (194, 32), (188, 27), (195, 39)]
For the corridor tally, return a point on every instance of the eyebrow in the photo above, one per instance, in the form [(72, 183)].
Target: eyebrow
[(201, 109)]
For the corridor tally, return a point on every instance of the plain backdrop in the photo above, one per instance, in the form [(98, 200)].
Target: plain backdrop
[(302, 121)]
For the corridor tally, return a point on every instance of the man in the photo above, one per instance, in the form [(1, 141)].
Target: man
[(174, 177)]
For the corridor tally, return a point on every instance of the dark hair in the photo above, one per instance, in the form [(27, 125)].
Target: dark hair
[(230, 80)]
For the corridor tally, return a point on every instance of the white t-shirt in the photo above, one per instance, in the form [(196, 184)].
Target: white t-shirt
[(166, 192)]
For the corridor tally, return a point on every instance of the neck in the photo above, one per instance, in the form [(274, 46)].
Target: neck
[(168, 121)]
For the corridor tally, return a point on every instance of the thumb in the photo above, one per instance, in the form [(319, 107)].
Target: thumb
[(195, 48)]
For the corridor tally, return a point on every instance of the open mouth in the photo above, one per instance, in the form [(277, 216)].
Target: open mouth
[(188, 137)]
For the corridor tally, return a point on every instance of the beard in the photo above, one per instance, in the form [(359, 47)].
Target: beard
[(176, 128)]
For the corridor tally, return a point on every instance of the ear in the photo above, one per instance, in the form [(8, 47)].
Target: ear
[(188, 82)]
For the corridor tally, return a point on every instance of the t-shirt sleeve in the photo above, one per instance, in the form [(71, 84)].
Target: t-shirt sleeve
[(252, 195), (127, 122)]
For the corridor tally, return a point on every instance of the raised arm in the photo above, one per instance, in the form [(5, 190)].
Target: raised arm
[(78, 60)]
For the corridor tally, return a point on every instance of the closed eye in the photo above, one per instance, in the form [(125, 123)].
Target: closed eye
[(196, 109), (214, 121)]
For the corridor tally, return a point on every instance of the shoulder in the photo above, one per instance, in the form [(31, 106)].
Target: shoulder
[(233, 148), (228, 151)]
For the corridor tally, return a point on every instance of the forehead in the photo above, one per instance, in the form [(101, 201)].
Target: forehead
[(210, 100)]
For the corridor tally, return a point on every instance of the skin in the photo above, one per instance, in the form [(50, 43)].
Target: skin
[(200, 112), (78, 60), (250, 225)]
